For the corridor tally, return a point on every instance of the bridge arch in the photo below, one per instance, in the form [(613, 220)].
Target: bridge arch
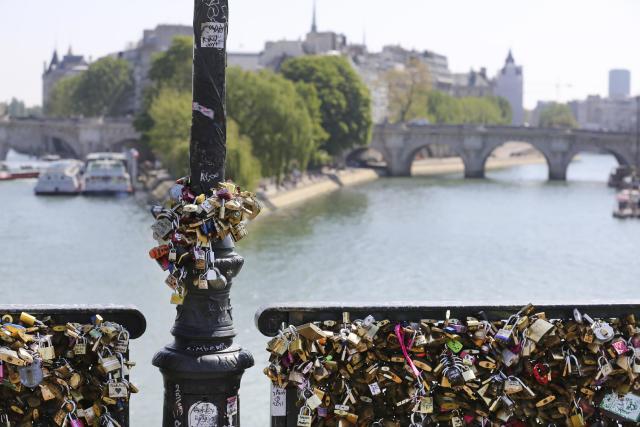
[(493, 146), (621, 158), (432, 146)]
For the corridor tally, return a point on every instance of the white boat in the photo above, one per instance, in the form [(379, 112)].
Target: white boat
[(106, 173), (61, 177)]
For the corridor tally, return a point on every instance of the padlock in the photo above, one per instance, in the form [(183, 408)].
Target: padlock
[(46, 349), (602, 331), (31, 375), (505, 334), (200, 258), (201, 282), (177, 297), (122, 342), (109, 364), (80, 346), (216, 280), (305, 417)]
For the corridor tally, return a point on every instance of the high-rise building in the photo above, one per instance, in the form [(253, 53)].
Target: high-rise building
[(619, 84), (510, 85)]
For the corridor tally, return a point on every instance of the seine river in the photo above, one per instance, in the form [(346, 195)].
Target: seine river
[(510, 238)]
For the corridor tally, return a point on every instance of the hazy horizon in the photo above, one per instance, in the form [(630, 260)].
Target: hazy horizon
[(566, 49)]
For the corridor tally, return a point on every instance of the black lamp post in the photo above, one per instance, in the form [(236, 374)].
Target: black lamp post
[(202, 368)]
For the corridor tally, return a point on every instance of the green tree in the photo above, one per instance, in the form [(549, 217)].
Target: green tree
[(61, 101), (173, 68), (445, 109), (270, 110), (408, 90), (169, 139), (242, 167), (345, 102), (557, 115), (104, 89)]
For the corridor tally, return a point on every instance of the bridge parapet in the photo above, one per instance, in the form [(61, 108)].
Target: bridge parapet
[(398, 144), (74, 137)]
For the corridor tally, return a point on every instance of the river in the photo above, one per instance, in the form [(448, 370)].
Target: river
[(510, 238)]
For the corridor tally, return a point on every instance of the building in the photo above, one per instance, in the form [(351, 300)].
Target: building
[(509, 84), (473, 83), (70, 65), (607, 114), (140, 56), (619, 84)]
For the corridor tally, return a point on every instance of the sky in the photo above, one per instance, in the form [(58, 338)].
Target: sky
[(565, 46)]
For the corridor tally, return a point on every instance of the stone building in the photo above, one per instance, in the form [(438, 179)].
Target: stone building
[(509, 84), (70, 65), (473, 83), (139, 56), (608, 114)]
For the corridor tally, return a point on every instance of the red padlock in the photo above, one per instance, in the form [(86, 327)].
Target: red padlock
[(542, 373)]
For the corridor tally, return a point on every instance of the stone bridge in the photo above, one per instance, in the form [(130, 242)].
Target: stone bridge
[(67, 137), (399, 144)]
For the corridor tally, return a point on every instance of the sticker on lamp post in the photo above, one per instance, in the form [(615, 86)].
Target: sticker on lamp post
[(213, 35), (203, 414)]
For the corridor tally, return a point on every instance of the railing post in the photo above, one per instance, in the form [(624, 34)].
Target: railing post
[(202, 368)]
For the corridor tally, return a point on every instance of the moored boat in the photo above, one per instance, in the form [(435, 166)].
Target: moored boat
[(106, 173), (5, 174), (627, 204), (62, 177)]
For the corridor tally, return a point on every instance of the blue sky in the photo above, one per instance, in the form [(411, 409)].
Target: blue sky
[(565, 46)]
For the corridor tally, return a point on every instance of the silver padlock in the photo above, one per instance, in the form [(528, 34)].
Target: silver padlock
[(31, 376), (601, 329)]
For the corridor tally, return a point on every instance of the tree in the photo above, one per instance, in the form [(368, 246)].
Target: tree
[(445, 109), (242, 167), (271, 112), (557, 115), (174, 67), (408, 89), (104, 89), (345, 102), (61, 101), (169, 139)]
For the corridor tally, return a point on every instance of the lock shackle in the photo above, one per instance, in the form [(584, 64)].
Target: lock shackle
[(415, 422)]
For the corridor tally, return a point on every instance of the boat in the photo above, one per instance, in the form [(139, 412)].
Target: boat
[(627, 204), (5, 174), (62, 177), (25, 172), (106, 173), (621, 177)]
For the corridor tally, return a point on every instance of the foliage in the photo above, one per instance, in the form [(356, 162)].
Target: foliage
[(445, 109), (173, 68), (408, 90), (103, 90), (345, 102), (17, 108), (242, 167), (272, 111), (169, 139), (61, 99), (557, 115)]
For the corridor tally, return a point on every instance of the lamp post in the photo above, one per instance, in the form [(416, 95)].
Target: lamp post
[(202, 368)]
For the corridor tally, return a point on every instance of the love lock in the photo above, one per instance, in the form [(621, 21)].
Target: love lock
[(31, 376)]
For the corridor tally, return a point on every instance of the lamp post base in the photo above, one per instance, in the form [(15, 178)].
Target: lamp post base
[(201, 390)]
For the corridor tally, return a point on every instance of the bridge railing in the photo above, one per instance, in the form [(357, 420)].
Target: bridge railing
[(270, 319)]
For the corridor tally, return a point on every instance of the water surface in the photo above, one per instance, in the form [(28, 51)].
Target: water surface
[(510, 238)]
